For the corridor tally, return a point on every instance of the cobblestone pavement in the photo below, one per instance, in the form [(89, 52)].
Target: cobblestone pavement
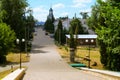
[(46, 64)]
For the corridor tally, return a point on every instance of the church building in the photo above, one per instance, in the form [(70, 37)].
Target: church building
[(51, 16)]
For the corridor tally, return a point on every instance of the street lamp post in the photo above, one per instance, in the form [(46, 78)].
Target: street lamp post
[(89, 41), (26, 40), (19, 42)]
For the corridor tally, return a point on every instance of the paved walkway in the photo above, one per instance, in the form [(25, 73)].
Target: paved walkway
[(46, 63)]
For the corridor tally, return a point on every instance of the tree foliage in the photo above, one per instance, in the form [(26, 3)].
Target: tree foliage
[(7, 37), (75, 29), (72, 41), (105, 21), (30, 24), (74, 23), (14, 13), (84, 15), (49, 26), (60, 33), (72, 44)]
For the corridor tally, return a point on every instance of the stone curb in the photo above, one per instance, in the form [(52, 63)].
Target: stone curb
[(16, 75), (109, 75)]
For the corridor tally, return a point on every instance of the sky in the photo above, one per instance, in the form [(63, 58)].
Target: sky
[(61, 8)]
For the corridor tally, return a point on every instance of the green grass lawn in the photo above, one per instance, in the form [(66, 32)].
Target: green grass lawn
[(82, 52)]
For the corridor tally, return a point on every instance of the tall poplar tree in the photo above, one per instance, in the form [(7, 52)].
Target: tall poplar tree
[(59, 34)]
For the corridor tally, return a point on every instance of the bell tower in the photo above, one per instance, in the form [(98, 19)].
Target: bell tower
[(51, 16), (51, 11)]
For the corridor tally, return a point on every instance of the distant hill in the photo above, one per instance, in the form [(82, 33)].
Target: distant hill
[(40, 23)]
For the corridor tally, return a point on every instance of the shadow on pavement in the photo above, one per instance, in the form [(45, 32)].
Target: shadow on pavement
[(36, 49), (34, 46), (3, 65), (8, 64)]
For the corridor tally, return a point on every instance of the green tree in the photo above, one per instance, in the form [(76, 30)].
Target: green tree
[(60, 33), (76, 35), (74, 23), (49, 26), (72, 45), (65, 31), (106, 17), (75, 29), (13, 16), (7, 38), (84, 15), (30, 24)]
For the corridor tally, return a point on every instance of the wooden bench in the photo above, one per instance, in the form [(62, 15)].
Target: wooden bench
[(16, 75)]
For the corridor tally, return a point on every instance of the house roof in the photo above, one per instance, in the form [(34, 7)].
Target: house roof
[(85, 36)]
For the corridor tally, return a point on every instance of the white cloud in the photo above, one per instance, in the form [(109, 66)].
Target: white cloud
[(59, 5), (77, 5), (86, 10), (40, 9), (80, 3), (40, 13), (64, 14)]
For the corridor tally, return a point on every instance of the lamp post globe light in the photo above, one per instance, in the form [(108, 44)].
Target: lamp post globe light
[(18, 41), (86, 40), (89, 42)]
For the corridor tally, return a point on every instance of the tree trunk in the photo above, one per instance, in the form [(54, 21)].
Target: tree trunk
[(2, 59), (72, 55)]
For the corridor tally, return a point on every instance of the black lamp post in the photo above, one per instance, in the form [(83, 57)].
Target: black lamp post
[(19, 42), (89, 42)]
